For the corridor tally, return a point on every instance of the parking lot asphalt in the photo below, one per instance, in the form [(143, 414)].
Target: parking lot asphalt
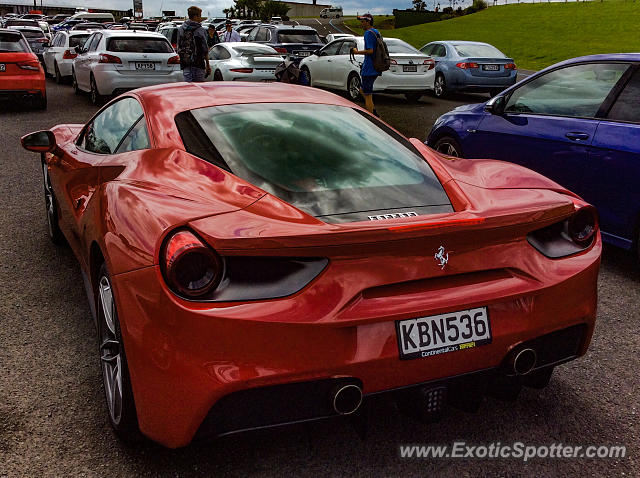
[(53, 414)]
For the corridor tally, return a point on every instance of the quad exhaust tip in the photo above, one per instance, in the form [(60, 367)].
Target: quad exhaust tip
[(524, 361), (346, 399)]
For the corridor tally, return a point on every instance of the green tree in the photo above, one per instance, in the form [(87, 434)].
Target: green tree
[(419, 5)]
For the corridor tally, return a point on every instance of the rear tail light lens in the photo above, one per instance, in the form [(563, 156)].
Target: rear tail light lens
[(465, 65), (175, 46), (431, 63), (241, 70), (174, 60), (42, 40), (393, 62), (190, 268), (29, 65), (583, 225), (281, 50), (510, 66), (106, 58), (69, 55)]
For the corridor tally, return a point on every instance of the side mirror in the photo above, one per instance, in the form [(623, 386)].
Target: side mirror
[(39, 142), (496, 105)]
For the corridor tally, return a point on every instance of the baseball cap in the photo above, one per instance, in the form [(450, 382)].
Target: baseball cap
[(366, 16), (228, 22)]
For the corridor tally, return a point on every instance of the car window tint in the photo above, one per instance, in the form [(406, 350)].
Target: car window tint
[(346, 47), (33, 33), (262, 34), (627, 106), (298, 36), (103, 134), (139, 45), (331, 49), (398, 46), (574, 91), (77, 40), (214, 53), (224, 54), (136, 139), (12, 42), (467, 50), (427, 49)]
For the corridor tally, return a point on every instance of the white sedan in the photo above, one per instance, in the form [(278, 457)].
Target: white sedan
[(58, 58), (243, 61), (411, 72), (113, 61)]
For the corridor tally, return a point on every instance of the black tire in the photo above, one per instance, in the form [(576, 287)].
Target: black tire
[(51, 209), (121, 409), (57, 74), (217, 76), (440, 86), (353, 87), (413, 97), (46, 70), (449, 145), (74, 83), (306, 71), (94, 94)]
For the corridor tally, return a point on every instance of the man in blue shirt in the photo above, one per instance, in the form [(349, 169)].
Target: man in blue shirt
[(367, 72)]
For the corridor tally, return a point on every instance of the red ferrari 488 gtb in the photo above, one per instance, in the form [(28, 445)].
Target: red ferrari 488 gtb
[(257, 255)]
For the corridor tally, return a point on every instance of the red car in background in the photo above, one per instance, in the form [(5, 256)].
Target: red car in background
[(264, 254), (21, 75)]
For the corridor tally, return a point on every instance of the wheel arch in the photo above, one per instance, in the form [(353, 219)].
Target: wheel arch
[(442, 132)]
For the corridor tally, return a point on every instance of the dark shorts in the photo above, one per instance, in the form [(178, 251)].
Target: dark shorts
[(367, 84)]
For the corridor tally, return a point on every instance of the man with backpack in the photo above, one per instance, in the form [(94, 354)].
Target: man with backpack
[(192, 47), (376, 60)]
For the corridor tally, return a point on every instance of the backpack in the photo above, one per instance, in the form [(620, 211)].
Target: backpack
[(187, 48), (381, 59)]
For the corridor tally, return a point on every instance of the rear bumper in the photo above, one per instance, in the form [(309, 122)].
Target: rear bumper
[(461, 80), (391, 82), (108, 81), (21, 95), (184, 357)]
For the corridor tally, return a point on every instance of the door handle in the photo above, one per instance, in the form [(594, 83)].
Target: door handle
[(575, 136), (329, 61)]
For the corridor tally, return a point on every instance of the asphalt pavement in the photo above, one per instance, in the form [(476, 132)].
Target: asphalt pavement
[(53, 415)]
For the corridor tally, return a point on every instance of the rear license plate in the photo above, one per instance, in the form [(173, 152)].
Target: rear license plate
[(410, 68), (303, 53), (491, 67), (145, 66), (3, 67), (438, 334)]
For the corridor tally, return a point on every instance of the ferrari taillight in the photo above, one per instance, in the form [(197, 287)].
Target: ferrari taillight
[(106, 58), (583, 225), (280, 50), (241, 70), (190, 267)]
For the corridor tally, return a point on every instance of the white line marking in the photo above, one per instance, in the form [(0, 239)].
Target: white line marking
[(319, 22)]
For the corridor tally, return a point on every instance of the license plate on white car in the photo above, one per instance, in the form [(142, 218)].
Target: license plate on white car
[(303, 53), (145, 65), (491, 67), (438, 334), (3, 67), (410, 68)]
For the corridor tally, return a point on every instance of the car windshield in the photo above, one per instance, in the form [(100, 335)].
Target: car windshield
[(298, 36), (326, 160), (77, 40), (139, 45), (32, 33), (254, 50), (468, 50), (398, 46), (12, 42)]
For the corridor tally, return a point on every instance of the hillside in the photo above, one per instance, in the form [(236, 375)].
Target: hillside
[(538, 35)]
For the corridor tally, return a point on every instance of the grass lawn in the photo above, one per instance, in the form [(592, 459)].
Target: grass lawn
[(538, 35)]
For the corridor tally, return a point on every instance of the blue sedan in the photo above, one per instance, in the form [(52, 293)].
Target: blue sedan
[(576, 122), (469, 66)]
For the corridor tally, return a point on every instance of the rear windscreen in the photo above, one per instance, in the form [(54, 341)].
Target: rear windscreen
[(12, 42), (326, 160), (298, 36), (139, 45), (481, 51), (21, 23), (254, 50), (398, 46), (32, 34), (77, 40)]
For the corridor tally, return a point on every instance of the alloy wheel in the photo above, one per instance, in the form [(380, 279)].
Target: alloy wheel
[(439, 86), (110, 356), (354, 87), (48, 199), (448, 149)]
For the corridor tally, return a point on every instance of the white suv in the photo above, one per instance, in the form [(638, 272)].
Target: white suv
[(114, 61)]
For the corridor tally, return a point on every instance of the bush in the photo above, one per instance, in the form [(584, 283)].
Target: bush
[(447, 16), (479, 5)]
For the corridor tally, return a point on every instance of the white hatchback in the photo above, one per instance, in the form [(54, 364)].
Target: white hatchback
[(114, 61), (243, 61), (411, 72), (58, 58)]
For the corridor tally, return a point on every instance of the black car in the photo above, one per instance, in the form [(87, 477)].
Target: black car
[(298, 41)]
